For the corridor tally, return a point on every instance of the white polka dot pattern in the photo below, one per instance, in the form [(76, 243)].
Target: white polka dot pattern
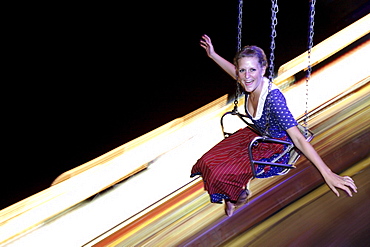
[(281, 118)]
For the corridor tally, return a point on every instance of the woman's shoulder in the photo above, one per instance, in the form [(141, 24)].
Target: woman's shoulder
[(276, 94)]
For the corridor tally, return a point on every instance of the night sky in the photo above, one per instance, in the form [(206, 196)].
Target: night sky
[(85, 79)]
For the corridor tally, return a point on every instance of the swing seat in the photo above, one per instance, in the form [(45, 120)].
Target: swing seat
[(294, 153)]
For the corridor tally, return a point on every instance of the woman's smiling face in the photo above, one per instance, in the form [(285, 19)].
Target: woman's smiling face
[(250, 74)]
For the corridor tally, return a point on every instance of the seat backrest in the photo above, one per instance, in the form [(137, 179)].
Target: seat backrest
[(294, 153), (244, 118)]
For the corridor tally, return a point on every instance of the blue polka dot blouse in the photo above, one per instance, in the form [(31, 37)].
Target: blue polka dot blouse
[(281, 118)]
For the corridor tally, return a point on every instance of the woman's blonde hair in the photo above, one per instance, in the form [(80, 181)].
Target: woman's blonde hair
[(251, 51)]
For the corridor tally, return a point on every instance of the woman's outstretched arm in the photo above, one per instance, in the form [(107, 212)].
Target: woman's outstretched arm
[(206, 43), (332, 180)]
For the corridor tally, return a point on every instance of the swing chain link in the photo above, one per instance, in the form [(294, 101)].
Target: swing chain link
[(239, 47), (274, 11), (240, 23), (309, 68)]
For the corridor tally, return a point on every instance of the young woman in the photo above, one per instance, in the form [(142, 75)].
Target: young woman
[(226, 169)]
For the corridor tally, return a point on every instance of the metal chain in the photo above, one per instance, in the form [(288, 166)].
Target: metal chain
[(239, 47), (309, 68), (240, 23), (274, 11)]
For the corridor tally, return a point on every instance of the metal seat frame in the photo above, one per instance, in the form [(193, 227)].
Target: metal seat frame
[(291, 149)]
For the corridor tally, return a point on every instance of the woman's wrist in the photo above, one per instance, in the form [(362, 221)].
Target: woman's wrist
[(214, 56)]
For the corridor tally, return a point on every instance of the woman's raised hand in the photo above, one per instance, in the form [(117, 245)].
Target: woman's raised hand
[(206, 43)]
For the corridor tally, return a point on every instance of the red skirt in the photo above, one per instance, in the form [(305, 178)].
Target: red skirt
[(226, 168)]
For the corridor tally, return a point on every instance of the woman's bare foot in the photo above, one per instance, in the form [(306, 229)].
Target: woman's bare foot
[(242, 198), (229, 208)]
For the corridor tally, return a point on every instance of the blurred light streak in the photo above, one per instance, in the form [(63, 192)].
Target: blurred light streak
[(325, 49), (330, 80)]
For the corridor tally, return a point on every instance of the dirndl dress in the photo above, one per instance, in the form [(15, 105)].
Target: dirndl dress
[(226, 168)]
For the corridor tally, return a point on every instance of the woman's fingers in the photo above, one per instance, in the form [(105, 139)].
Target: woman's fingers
[(205, 40), (334, 190), (345, 183), (348, 185), (206, 43), (205, 37), (348, 178), (202, 42), (352, 185)]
